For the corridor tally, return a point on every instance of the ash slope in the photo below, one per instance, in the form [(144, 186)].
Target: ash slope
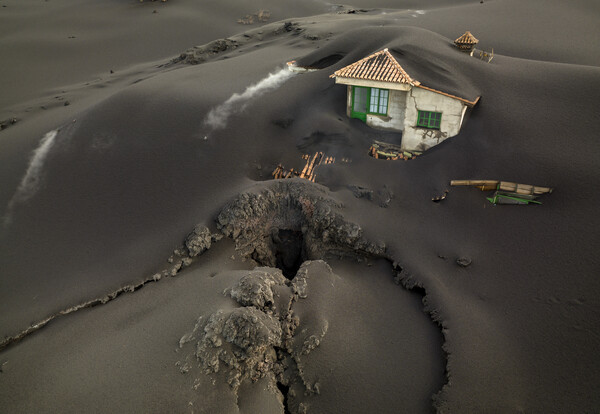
[(133, 174)]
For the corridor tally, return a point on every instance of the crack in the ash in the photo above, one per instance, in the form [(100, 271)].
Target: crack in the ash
[(284, 390), (197, 242), (11, 340)]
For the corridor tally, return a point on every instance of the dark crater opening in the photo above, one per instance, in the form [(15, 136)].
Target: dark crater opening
[(288, 246), (284, 389)]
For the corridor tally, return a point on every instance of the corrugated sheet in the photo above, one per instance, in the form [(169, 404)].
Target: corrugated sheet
[(380, 66), (466, 39)]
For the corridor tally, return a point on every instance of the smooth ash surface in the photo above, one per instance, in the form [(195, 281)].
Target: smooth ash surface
[(116, 150)]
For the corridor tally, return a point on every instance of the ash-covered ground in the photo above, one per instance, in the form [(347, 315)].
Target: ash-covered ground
[(150, 263)]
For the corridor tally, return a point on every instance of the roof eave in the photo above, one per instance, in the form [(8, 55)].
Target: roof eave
[(470, 104), (344, 80)]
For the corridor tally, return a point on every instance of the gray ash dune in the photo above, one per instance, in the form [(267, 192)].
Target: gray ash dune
[(264, 345), (129, 174)]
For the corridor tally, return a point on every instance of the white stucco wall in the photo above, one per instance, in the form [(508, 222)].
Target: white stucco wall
[(414, 138), (403, 107)]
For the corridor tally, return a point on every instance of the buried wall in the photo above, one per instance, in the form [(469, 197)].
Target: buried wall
[(421, 139)]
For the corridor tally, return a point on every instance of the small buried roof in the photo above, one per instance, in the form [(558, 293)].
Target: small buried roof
[(380, 66), (384, 67), (466, 39)]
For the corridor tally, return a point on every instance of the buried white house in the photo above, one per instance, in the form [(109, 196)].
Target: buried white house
[(384, 96)]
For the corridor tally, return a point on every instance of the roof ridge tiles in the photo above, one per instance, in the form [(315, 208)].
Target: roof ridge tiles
[(382, 66), (467, 38), (379, 66)]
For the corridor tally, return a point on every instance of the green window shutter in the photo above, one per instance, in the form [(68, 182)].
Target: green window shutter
[(369, 101), (360, 102), (431, 120), (360, 99)]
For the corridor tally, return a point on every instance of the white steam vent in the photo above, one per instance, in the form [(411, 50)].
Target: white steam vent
[(31, 181), (218, 116)]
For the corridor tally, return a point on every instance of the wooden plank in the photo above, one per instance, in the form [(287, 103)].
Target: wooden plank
[(503, 185), (475, 182), (487, 187), (303, 173), (523, 188), (311, 167)]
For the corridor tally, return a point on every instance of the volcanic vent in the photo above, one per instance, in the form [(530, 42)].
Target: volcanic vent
[(289, 222)]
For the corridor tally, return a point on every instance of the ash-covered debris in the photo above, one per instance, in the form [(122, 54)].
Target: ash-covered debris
[(287, 27), (353, 11), (464, 261), (259, 288), (200, 240), (200, 54), (256, 219), (242, 342), (361, 192), (8, 122), (258, 340), (261, 16), (383, 197)]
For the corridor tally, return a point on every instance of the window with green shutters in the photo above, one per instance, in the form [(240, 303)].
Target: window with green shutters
[(431, 120), (369, 101)]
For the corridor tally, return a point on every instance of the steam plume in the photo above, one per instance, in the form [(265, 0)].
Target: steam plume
[(217, 117), (31, 181)]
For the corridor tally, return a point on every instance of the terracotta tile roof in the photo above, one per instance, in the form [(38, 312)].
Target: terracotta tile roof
[(466, 39), (380, 66)]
